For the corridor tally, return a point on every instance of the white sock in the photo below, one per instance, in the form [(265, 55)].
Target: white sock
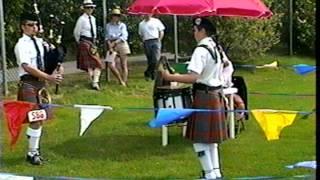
[(214, 151), (34, 139), (96, 75), (203, 151), (90, 72)]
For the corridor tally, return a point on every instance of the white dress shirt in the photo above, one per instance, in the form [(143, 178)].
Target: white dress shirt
[(203, 64), (115, 31), (26, 52), (83, 27), (150, 29)]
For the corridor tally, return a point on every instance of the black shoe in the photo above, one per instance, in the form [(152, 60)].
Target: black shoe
[(36, 159), (147, 76), (152, 76)]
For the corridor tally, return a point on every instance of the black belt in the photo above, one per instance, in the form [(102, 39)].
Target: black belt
[(203, 87), (86, 38), (148, 40), (28, 77)]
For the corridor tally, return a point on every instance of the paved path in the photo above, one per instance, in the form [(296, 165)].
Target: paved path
[(70, 66)]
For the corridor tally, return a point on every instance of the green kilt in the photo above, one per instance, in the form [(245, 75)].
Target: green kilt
[(207, 127)]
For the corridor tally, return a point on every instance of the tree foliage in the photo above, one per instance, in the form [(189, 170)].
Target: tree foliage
[(244, 38), (304, 21)]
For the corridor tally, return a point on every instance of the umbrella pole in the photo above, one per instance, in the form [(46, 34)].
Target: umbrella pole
[(290, 27), (175, 22), (105, 14)]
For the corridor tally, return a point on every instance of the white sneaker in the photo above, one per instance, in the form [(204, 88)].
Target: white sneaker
[(217, 172), (210, 175), (95, 86)]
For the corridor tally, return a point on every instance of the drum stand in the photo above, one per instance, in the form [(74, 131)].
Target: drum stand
[(165, 133), (231, 114)]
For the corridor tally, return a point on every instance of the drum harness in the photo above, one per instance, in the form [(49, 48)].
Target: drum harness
[(199, 86)]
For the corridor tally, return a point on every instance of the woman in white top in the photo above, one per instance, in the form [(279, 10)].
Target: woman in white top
[(116, 40)]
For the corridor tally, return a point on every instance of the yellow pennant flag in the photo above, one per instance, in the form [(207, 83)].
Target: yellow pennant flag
[(273, 121)]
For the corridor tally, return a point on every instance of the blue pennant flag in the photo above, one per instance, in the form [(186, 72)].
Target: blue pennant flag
[(303, 69), (167, 115)]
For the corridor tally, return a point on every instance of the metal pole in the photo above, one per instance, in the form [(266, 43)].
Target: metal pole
[(105, 13), (3, 52), (175, 22), (290, 27)]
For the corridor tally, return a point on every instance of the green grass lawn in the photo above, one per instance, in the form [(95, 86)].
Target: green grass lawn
[(121, 145)]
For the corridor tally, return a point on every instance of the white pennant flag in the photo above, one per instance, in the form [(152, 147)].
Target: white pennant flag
[(88, 114)]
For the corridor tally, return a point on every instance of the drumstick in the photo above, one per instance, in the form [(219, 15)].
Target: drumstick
[(57, 85)]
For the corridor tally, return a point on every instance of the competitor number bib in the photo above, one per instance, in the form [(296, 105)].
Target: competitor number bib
[(37, 115)]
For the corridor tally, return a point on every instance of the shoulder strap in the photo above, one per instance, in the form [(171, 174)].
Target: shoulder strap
[(213, 54)]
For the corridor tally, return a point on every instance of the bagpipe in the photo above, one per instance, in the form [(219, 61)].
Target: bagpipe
[(55, 51)]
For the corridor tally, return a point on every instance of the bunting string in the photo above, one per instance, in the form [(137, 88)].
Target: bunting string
[(16, 114), (281, 94)]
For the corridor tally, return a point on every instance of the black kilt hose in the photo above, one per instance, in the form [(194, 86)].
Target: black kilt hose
[(207, 127)]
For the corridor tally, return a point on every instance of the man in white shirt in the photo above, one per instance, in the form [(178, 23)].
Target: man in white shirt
[(208, 129), (29, 52), (85, 34), (151, 31)]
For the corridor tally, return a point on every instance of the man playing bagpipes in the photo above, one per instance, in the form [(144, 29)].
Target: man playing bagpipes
[(85, 34), (29, 52)]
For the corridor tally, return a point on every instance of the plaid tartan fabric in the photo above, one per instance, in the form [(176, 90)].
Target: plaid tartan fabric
[(85, 59), (28, 91), (207, 127)]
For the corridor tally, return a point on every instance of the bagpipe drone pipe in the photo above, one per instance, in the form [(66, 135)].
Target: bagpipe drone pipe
[(55, 51)]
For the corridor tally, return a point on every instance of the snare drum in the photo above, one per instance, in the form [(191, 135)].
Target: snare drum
[(166, 97), (172, 97)]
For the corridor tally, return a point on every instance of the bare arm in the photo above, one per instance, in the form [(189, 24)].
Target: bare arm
[(161, 34), (183, 78), (55, 78)]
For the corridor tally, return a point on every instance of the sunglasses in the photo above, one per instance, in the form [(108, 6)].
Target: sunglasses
[(31, 24), (89, 7)]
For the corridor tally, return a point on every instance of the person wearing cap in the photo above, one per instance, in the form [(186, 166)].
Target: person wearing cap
[(85, 34), (151, 31), (116, 40), (29, 52), (205, 130)]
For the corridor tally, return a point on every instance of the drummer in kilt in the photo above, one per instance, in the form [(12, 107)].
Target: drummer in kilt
[(205, 129), (85, 34), (29, 52)]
